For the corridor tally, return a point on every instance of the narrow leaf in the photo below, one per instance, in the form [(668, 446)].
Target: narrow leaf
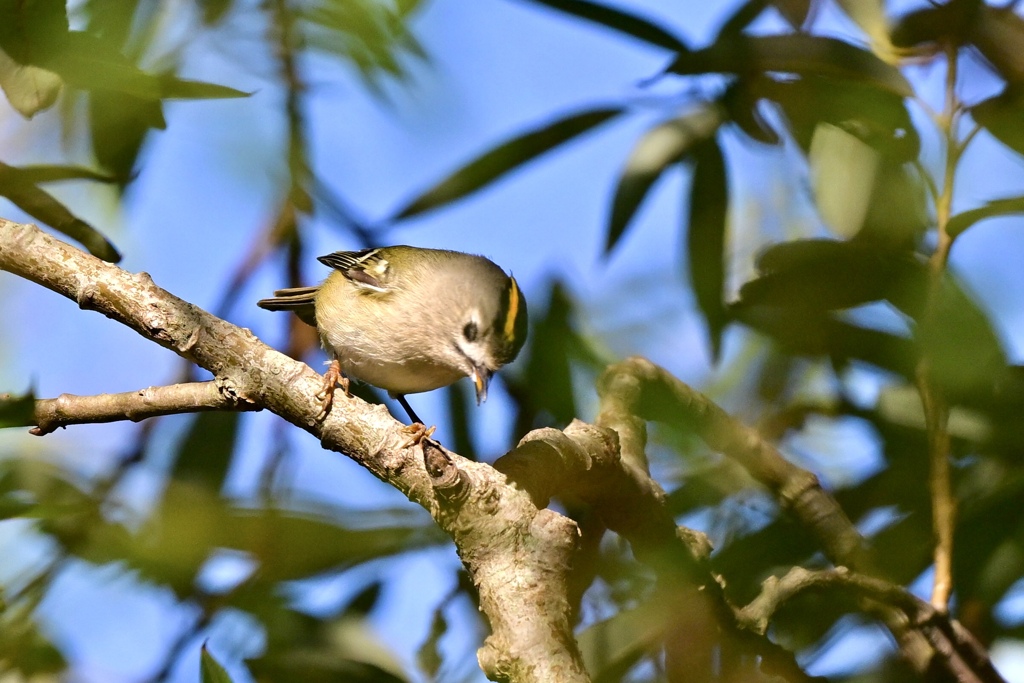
[(796, 53), (50, 173), (183, 89), (210, 669), (709, 204), (17, 411), (621, 21), (795, 12), (659, 148), (998, 33), (996, 207), (506, 157), (42, 206)]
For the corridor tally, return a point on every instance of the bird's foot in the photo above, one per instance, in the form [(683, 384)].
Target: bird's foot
[(417, 431), (332, 378)]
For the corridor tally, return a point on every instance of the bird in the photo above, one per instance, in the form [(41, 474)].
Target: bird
[(410, 319)]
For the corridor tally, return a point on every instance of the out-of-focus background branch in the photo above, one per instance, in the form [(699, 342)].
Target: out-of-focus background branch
[(808, 210)]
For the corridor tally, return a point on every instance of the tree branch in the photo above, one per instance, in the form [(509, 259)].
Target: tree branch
[(191, 397)]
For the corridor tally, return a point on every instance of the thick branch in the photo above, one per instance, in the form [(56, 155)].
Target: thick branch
[(517, 554), (191, 397)]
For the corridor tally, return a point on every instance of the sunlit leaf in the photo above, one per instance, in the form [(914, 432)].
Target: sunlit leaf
[(506, 157), (210, 669), (995, 208), (1003, 117), (41, 205), (618, 20), (656, 151), (843, 171), (709, 206), (17, 411), (796, 53), (30, 89)]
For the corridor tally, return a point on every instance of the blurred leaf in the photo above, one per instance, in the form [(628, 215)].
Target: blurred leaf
[(899, 212), (618, 20), (877, 117), (210, 669), (998, 33), (828, 275), (214, 10), (744, 15), (545, 393), (30, 89), (995, 208), (31, 30), (931, 27), (43, 207), (843, 171), (870, 16), (795, 12), (612, 646), (709, 208), (15, 504), (743, 108), (796, 53), (119, 124), (204, 453), (428, 656), (363, 602), (17, 411), (1003, 117), (507, 157), (174, 88), (49, 173), (24, 648), (658, 148)]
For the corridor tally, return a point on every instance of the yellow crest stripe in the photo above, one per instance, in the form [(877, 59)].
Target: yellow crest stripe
[(513, 309)]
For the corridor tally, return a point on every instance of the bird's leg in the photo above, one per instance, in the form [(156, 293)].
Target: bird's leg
[(332, 378), (417, 431)]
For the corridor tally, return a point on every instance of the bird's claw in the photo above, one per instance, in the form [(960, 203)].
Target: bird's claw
[(332, 378), (417, 431)]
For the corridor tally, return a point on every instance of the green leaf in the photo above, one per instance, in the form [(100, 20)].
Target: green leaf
[(506, 157), (17, 411), (998, 34), (429, 654), (843, 171), (30, 89), (609, 648), (996, 207), (210, 669), (795, 12), (51, 173), (709, 207), (1003, 117), (204, 454), (870, 16), (796, 53), (741, 18), (41, 205), (173, 88), (119, 124), (657, 150), (618, 20)]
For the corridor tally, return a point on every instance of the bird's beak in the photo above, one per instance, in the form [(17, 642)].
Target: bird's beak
[(481, 378)]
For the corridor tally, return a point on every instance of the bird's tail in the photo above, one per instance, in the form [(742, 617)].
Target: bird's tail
[(298, 300)]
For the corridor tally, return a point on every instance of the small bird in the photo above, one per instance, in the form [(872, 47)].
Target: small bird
[(409, 320)]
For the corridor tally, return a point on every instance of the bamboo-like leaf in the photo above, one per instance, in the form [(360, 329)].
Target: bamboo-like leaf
[(996, 207), (506, 157), (709, 204), (41, 205), (659, 148), (619, 20), (796, 53), (210, 669)]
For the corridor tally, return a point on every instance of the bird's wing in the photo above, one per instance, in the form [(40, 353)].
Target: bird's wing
[(367, 268)]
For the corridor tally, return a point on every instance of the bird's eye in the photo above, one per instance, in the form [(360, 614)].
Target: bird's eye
[(470, 331)]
